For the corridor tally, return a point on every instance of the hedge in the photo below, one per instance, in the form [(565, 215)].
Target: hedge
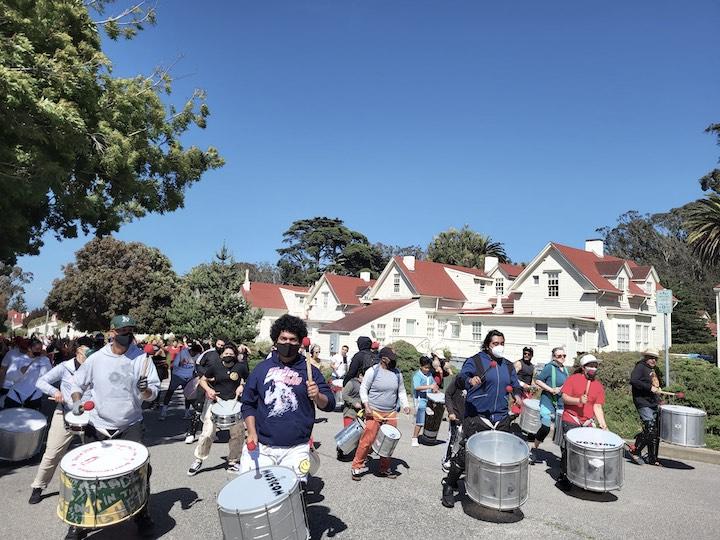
[(709, 349)]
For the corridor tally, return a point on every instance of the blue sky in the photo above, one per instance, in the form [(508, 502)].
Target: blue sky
[(529, 121)]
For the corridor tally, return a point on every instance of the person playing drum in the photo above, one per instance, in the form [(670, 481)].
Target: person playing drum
[(122, 376), (422, 381), (58, 438), (550, 380), (583, 397), (278, 404), (352, 404), (646, 391), (488, 378), (223, 379), (23, 392), (455, 404)]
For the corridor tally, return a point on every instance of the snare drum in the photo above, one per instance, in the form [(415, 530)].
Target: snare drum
[(21, 433), (225, 414), (266, 507), (530, 416), (77, 423), (103, 483), (594, 459), (436, 403), (348, 438), (387, 439)]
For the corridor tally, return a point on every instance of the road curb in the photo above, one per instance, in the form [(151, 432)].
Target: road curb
[(671, 451)]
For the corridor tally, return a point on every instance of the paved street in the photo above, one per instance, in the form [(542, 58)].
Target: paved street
[(678, 501)]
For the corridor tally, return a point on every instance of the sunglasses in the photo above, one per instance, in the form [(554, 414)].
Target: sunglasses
[(561, 356)]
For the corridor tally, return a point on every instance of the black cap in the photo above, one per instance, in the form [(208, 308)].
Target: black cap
[(387, 352), (528, 349)]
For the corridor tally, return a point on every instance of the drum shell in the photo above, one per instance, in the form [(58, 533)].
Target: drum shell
[(383, 445), (283, 518), (76, 426), (433, 422), (682, 428), (119, 497), (502, 486), (348, 438), (21, 445), (530, 418), (558, 432), (595, 469), (225, 421)]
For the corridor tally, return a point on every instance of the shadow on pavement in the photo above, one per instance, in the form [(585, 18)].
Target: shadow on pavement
[(313, 491), (579, 493), (673, 464), (476, 511), (323, 523)]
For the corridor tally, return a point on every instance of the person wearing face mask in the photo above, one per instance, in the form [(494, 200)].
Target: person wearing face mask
[(122, 377), (488, 378), (223, 379), (58, 438), (550, 380), (583, 397), (315, 351), (23, 393), (646, 398), (183, 368), (279, 403)]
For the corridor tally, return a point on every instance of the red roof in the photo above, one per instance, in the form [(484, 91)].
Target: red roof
[(15, 317), (348, 289), (268, 295), (364, 315), (511, 270), (431, 279)]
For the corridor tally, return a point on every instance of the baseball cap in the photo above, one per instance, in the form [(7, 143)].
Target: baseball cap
[(121, 321)]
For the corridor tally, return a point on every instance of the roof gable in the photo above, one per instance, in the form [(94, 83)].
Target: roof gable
[(431, 279), (348, 289), (268, 296), (511, 270), (361, 316)]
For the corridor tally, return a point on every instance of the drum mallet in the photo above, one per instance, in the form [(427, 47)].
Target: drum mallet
[(252, 450), (306, 344)]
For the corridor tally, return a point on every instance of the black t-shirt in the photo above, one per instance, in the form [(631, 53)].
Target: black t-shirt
[(226, 380)]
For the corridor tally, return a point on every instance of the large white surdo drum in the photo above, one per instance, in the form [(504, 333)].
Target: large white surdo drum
[(266, 504), (21, 433), (684, 426), (103, 483), (530, 416), (594, 459), (496, 469)]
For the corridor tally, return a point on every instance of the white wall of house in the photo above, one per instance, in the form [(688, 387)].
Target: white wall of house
[(295, 301), (387, 290), (325, 305), (477, 290)]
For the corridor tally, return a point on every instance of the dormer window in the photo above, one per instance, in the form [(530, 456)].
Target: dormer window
[(396, 283), (499, 286), (553, 284)]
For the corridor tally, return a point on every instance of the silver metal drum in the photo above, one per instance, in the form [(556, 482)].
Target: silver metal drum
[(684, 426), (348, 438), (269, 507), (530, 416), (386, 441), (496, 469), (436, 403), (225, 413), (558, 432), (595, 459), (21, 433)]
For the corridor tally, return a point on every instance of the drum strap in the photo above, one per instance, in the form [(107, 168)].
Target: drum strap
[(382, 418)]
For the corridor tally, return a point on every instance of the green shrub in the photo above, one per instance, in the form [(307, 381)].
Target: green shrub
[(408, 360), (258, 352), (709, 349)]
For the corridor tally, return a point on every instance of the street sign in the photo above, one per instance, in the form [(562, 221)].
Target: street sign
[(664, 301)]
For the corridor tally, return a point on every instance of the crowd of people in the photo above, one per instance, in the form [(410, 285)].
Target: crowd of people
[(270, 410)]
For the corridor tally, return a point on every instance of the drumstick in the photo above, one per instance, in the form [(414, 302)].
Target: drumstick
[(678, 395), (146, 365)]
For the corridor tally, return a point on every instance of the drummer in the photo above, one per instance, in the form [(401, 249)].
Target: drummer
[(122, 377), (423, 382), (455, 404), (23, 393), (223, 378), (583, 397), (550, 381), (381, 392), (488, 378), (646, 392), (58, 438), (352, 404)]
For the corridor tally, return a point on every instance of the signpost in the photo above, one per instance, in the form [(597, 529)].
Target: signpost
[(664, 305)]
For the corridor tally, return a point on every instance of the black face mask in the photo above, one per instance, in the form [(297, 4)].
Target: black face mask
[(124, 340), (36, 354), (228, 360), (288, 350)]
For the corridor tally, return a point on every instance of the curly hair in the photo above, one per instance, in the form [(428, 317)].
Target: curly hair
[(288, 323), (491, 334)]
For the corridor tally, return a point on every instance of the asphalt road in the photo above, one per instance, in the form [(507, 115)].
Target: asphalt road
[(677, 501)]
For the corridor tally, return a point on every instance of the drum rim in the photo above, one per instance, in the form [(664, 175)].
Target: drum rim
[(506, 464), (683, 410), (395, 430), (37, 414), (75, 477), (98, 444), (296, 486), (438, 400), (620, 442)]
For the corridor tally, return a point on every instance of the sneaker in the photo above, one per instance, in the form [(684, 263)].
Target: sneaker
[(340, 455), (234, 468), (429, 412), (195, 467), (532, 459), (35, 496), (163, 412), (188, 414), (76, 533), (448, 496), (190, 439), (388, 474), (357, 473), (414, 442)]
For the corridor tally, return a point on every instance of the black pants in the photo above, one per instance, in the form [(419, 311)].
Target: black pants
[(472, 425), (196, 418), (649, 437), (541, 434)]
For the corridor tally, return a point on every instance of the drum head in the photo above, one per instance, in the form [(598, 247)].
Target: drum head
[(22, 420), (77, 420), (498, 447), (104, 459), (590, 437), (680, 409), (246, 494), (225, 408), (390, 432), (532, 404), (438, 397)]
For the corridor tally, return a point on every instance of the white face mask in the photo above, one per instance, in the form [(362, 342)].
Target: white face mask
[(497, 351)]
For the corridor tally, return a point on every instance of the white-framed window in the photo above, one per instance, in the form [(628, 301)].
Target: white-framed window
[(477, 332), (621, 284), (638, 337), (454, 330), (300, 299), (536, 280), (410, 327), (499, 286), (623, 337), (442, 325), (553, 284), (646, 335), (430, 330), (541, 332), (396, 283), (380, 332), (325, 297), (396, 326)]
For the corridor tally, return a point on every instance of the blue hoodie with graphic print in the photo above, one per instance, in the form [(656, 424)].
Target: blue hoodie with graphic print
[(276, 395)]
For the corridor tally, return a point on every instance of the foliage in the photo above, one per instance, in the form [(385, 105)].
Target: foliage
[(687, 324), (464, 247), (110, 277), (12, 289), (260, 272), (387, 252), (81, 149), (208, 303), (709, 348), (32, 315), (323, 244), (407, 360), (711, 181), (259, 350), (703, 226)]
